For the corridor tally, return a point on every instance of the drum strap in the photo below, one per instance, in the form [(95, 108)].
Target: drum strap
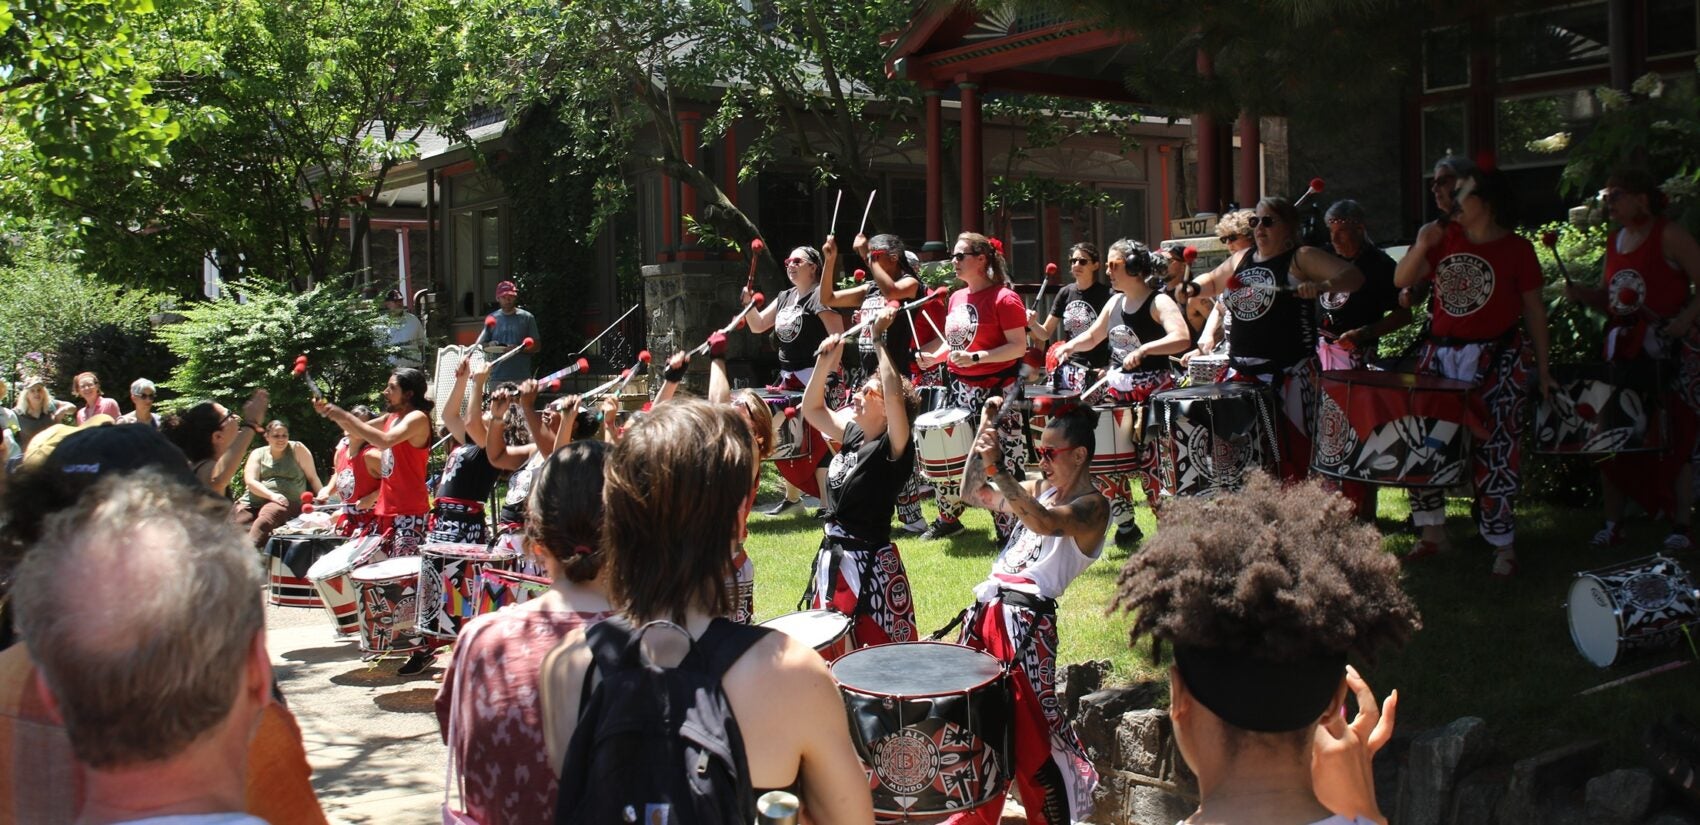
[(836, 547), (1026, 601)]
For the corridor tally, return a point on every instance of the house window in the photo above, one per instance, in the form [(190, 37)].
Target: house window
[(1539, 130), (1672, 27), (477, 239), (1024, 248), (907, 208), (1445, 131), (1553, 40), (1446, 59)]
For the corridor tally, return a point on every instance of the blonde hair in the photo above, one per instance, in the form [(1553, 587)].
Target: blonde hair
[(1235, 224)]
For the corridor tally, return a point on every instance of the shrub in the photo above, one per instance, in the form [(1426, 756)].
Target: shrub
[(229, 349)]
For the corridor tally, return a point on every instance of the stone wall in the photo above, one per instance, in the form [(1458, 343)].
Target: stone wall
[(688, 300), (1451, 775)]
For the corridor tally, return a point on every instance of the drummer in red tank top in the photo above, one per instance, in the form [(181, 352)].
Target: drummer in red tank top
[(405, 435), (1486, 280), (1650, 264)]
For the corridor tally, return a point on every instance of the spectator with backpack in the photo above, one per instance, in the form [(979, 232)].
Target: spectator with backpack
[(763, 710)]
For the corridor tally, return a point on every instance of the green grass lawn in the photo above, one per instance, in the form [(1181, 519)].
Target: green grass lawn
[(1500, 650)]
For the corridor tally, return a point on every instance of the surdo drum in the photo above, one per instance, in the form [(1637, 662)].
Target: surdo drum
[(1392, 428), (289, 560), (945, 438), (1601, 409), (1636, 605), (329, 576), (388, 596), (1212, 436), (1121, 427), (931, 723), (827, 631), (449, 578)]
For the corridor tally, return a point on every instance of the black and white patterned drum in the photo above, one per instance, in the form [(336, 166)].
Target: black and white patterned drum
[(1637, 605), (945, 438), (931, 722), (288, 560), (1392, 428), (1212, 436), (1206, 369), (1602, 409), (790, 432)]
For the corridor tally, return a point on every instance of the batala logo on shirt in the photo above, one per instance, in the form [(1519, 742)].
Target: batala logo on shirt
[(1077, 317), (960, 325), (789, 322), (1463, 283), (1123, 341), (1334, 301), (1252, 301), (1626, 283)]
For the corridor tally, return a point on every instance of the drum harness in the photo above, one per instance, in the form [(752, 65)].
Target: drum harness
[(1038, 605), (836, 546)]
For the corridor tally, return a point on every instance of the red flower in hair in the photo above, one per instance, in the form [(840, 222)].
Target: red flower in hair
[(995, 244)]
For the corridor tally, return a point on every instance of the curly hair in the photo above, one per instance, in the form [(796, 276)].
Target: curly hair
[(1284, 572)]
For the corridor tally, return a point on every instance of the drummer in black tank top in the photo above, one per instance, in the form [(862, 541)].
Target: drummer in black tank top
[(1072, 313), (1272, 295), (891, 276), (797, 318)]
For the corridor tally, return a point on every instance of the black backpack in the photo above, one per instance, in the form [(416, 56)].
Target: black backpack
[(658, 745)]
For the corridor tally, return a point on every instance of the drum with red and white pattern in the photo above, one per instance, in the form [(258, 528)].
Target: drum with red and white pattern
[(387, 594), (1121, 427), (1392, 428), (931, 722), (289, 558), (944, 438), (1602, 409), (827, 631), (329, 576)]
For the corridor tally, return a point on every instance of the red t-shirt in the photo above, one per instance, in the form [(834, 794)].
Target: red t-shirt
[(976, 323), (1478, 288), (1644, 276), (401, 484)]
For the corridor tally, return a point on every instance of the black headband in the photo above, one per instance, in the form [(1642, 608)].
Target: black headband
[(1257, 694)]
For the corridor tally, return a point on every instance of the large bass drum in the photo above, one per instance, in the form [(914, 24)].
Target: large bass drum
[(1212, 436), (931, 723), (1392, 428), (1636, 605), (1601, 410)]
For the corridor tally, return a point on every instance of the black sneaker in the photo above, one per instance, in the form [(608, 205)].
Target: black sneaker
[(942, 530), (784, 506), (1129, 535), (417, 663)]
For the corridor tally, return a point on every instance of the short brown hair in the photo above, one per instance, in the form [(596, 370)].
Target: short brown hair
[(563, 516), (762, 417), (675, 486)]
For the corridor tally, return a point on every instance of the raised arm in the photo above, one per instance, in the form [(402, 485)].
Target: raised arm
[(830, 423), (224, 469), (761, 320), (415, 427), (498, 453), (891, 388), (454, 419), (672, 375)]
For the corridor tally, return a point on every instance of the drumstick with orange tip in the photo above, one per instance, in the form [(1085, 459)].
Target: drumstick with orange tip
[(301, 370), (627, 375), (1315, 189), (553, 380), (523, 346)]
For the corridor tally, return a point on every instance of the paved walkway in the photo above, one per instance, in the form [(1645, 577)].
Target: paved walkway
[(371, 735)]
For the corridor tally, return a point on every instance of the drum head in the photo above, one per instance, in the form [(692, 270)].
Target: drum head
[(395, 569), (915, 669), (336, 562), (941, 418), (1394, 380), (1230, 389), (1593, 621), (461, 550), (811, 627)]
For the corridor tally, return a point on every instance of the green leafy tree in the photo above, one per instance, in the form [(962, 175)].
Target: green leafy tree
[(1655, 125), (291, 115), (230, 348)]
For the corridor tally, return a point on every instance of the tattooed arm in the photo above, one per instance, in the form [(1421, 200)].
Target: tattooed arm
[(1084, 519)]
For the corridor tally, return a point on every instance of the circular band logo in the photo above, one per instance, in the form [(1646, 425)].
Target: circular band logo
[(1463, 283), (1335, 438), (1077, 317), (960, 324), (1626, 283), (1123, 342), (789, 322), (1251, 301), (1334, 301), (906, 762)]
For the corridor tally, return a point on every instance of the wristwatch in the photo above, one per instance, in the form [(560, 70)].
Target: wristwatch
[(975, 356)]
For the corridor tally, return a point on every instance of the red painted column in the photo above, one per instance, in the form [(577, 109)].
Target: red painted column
[(1206, 133), (690, 140), (1250, 176), (935, 163), (973, 164)]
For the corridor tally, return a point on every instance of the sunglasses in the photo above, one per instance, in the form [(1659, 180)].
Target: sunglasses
[(797, 261), (147, 395), (869, 390), (958, 256), (1049, 453), (1266, 221), (1078, 261), (1227, 238), (228, 417)]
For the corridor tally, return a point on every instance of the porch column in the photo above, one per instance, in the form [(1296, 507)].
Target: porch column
[(935, 163), (1251, 163), (973, 164), (403, 277), (690, 138), (1206, 133)]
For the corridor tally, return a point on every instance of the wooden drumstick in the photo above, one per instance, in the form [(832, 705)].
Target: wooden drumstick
[(1549, 239), (832, 228), (737, 321), (866, 211)]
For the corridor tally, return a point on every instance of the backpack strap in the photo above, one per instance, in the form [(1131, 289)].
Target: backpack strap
[(608, 640), (724, 642)]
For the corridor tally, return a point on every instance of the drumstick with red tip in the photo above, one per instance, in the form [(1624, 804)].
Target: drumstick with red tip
[(737, 321), (553, 380), (860, 275), (523, 346), (756, 247), (1549, 239), (1315, 189), (301, 370), (307, 502), (1050, 273), (627, 375)]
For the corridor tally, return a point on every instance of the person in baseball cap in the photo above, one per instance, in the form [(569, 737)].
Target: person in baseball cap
[(505, 329)]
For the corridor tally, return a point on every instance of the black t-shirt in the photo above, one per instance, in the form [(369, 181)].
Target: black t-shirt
[(897, 339), (1271, 329), (1075, 310), (467, 474), (1129, 328), (519, 491), (1346, 311), (798, 327), (865, 481)]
